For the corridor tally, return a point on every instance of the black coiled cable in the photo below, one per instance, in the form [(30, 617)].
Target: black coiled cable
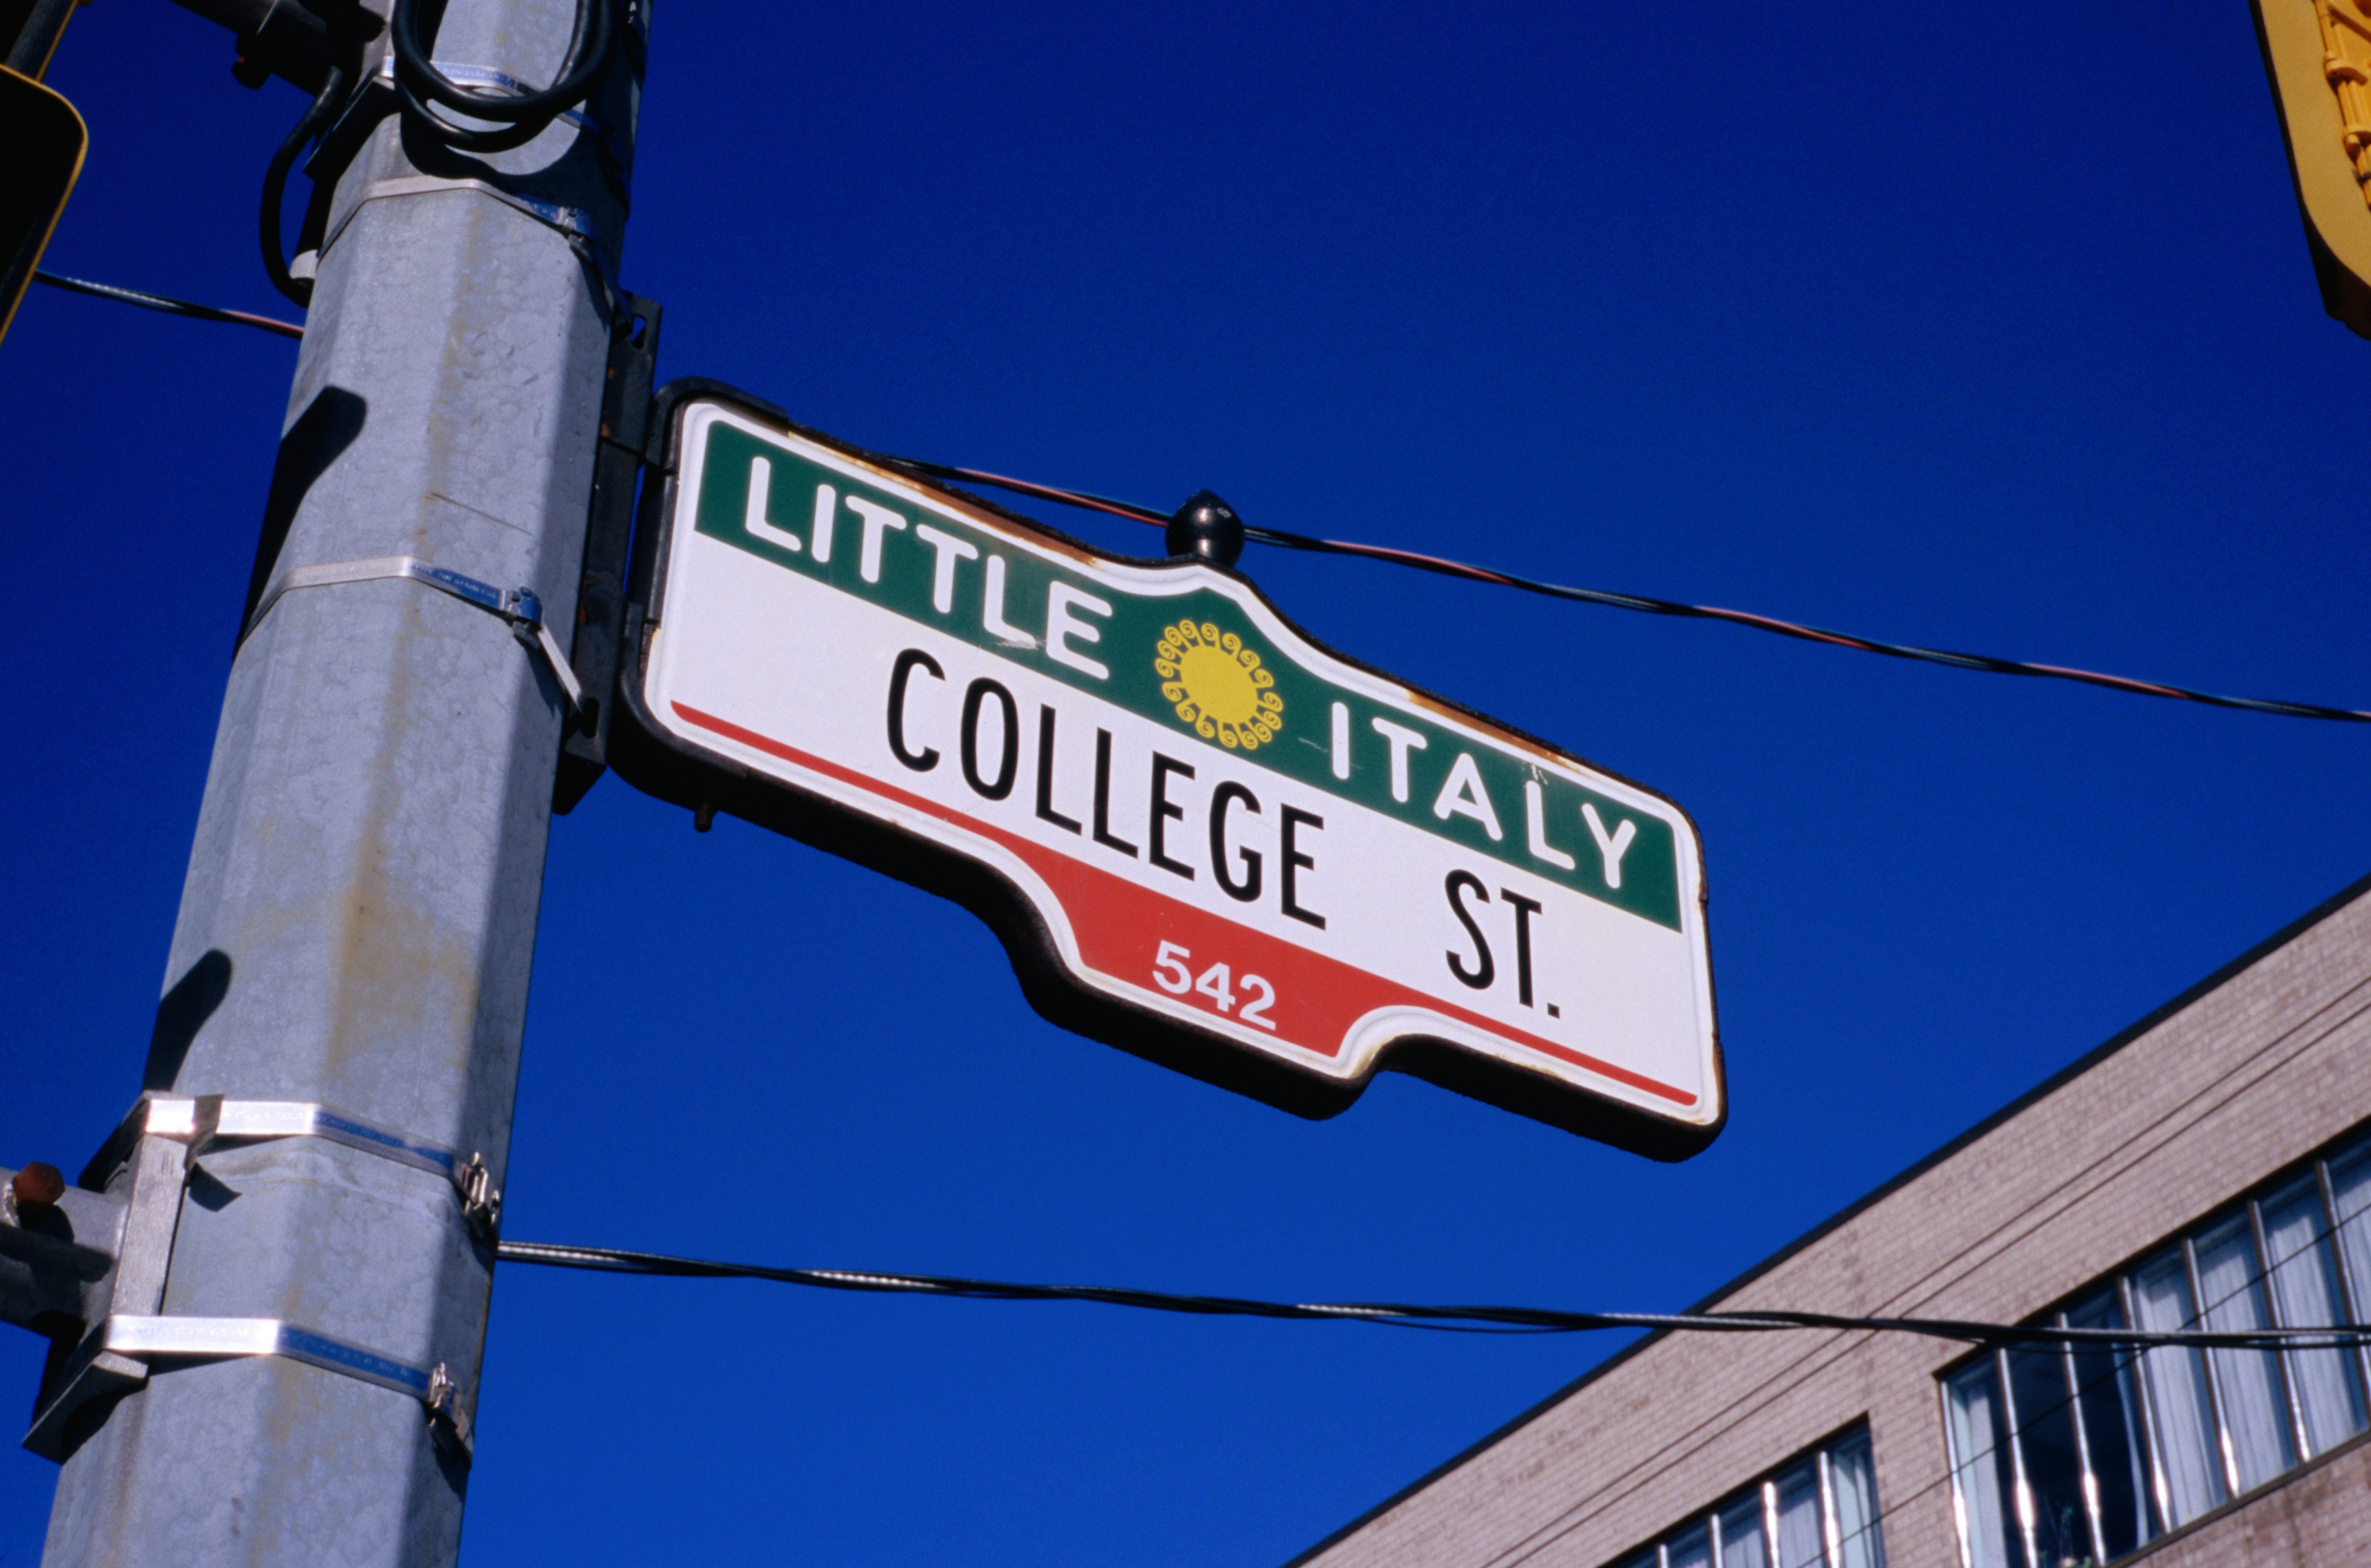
[(276, 185), (513, 118), (516, 118)]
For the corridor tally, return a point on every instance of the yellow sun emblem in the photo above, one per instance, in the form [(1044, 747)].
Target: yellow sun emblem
[(1218, 686)]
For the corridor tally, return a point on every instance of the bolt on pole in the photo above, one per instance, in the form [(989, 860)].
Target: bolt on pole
[(359, 919)]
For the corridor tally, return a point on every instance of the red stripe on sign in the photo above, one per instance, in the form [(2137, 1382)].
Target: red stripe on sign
[(1119, 928)]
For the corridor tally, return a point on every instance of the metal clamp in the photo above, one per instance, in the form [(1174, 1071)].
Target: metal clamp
[(162, 1139), (519, 606), (144, 1337), (482, 1201), (574, 222)]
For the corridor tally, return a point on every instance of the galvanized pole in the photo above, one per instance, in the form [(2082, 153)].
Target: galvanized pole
[(359, 919)]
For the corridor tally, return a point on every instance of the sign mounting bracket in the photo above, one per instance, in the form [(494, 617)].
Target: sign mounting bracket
[(627, 397)]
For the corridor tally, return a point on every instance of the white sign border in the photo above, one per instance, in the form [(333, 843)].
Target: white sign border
[(688, 408)]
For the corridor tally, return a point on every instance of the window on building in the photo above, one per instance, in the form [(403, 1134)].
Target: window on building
[(1819, 1512), (2071, 1456)]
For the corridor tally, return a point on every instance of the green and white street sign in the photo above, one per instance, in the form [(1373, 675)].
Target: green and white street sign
[(1203, 836)]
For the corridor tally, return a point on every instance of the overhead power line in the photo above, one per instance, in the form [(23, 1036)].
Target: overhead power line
[(1442, 566), (1648, 605), (1483, 1319), (2128, 1346), (168, 304)]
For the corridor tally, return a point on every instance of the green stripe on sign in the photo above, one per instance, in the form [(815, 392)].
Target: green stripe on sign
[(1191, 660)]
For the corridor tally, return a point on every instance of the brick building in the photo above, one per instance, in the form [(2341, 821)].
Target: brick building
[(2146, 1185)]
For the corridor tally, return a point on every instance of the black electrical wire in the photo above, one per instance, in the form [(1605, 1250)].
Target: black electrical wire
[(518, 117), (613, 1260), (515, 117), (276, 185), (1645, 605), (2128, 1346), (167, 304), (2120, 1364), (276, 180)]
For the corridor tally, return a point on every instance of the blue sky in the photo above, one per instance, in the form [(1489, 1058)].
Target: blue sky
[(1983, 329)]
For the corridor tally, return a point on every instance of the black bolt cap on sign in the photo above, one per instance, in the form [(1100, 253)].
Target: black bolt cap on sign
[(1206, 528)]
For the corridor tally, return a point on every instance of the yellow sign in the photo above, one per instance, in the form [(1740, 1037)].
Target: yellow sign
[(2318, 54)]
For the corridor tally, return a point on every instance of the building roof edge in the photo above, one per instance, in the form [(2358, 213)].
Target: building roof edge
[(2047, 1087)]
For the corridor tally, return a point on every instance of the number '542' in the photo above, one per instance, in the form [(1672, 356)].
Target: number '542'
[(1171, 973)]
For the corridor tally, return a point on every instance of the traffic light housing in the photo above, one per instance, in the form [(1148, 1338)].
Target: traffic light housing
[(2319, 55), (45, 140)]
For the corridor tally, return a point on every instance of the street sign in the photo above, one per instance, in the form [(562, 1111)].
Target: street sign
[(1203, 836)]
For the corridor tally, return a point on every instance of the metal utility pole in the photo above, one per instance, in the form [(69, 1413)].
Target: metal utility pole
[(359, 919)]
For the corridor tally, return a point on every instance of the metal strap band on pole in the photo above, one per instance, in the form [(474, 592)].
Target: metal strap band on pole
[(572, 223), (482, 1201), (188, 1126), (212, 1338), (519, 606)]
